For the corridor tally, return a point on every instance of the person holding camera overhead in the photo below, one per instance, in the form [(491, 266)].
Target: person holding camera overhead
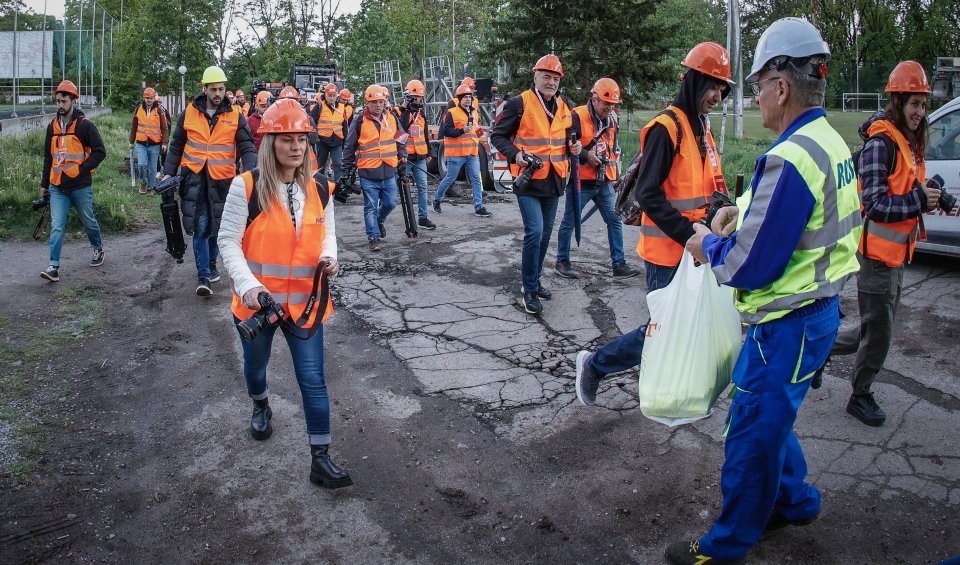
[(278, 242), (535, 129)]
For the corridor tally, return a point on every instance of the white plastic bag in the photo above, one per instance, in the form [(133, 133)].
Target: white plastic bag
[(691, 346)]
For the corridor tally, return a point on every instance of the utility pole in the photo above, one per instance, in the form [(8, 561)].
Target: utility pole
[(16, 58), (43, 54), (453, 37)]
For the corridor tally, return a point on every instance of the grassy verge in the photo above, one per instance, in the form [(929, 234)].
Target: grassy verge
[(31, 385), (117, 206)]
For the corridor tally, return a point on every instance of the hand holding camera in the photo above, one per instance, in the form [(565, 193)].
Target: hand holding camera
[(937, 196), (269, 314), (533, 163)]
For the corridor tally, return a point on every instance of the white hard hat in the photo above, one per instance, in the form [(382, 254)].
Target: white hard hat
[(787, 38)]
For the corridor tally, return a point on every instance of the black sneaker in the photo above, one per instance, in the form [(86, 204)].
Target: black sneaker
[(564, 269), (52, 274), (436, 207), (778, 521), (587, 380), (864, 408), (482, 212), (688, 553), (374, 243), (622, 270), (203, 287), (426, 224), (531, 303), (383, 230), (214, 274), (544, 294), (97, 258)]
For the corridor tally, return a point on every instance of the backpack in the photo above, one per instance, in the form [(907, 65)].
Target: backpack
[(627, 206), (891, 153)]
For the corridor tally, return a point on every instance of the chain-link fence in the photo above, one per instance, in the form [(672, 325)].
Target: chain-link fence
[(37, 51)]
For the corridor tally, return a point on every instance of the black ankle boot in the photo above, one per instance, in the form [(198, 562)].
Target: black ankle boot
[(323, 471), (260, 427)]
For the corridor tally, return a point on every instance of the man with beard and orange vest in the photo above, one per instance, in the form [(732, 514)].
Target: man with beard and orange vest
[(331, 130), (539, 122), (211, 135), (241, 102), (73, 150), (418, 148), (149, 132), (461, 149), (678, 175)]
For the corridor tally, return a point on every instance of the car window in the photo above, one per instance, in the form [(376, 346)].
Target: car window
[(944, 137)]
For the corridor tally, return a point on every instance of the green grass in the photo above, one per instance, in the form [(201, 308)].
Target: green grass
[(117, 206)]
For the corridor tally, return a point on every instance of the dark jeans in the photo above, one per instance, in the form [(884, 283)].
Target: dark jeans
[(878, 292), (205, 250), (336, 158), (627, 350), (307, 364), (538, 216)]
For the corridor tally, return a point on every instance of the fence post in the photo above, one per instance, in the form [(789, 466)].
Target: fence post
[(16, 10)]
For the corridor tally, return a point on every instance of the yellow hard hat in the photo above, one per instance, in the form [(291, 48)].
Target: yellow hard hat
[(213, 74)]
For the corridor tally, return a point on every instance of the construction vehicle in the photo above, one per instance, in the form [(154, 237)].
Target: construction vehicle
[(308, 79), (946, 78)]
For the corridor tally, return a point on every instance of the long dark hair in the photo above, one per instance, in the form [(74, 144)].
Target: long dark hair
[(894, 113)]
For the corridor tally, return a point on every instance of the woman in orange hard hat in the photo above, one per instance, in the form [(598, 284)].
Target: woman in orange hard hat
[(279, 245)]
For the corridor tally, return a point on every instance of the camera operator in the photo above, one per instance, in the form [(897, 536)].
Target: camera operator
[(895, 194), (537, 122), (276, 232), (73, 150), (418, 148)]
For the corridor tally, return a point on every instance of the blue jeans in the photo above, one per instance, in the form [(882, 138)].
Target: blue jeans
[(627, 350), (538, 215), (307, 364), (205, 249), (336, 157), (379, 199), (147, 158), (419, 169), (764, 469), (605, 198), (60, 202), (454, 164)]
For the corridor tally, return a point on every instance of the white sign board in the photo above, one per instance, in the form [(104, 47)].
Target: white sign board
[(35, 56)]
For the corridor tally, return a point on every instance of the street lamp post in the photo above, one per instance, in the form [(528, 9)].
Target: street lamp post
[(183, 93)]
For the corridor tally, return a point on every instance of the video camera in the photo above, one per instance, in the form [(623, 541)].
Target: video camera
[(270, 313), (42, 202), (410, 103), (534, 164), (947, 200)]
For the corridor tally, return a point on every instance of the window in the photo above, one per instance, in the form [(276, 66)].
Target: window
[(944, 138)]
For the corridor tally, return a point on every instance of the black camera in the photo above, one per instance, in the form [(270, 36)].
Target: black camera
[(345, 187), (947, 201), (533, 164), (269, 314), (718, 200), (602, 169), (40, 202)]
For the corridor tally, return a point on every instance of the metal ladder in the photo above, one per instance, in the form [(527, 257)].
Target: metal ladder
[(387, 73)]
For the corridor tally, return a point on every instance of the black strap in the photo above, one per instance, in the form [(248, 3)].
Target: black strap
[(321, 281), (253, 205), (669, 112)]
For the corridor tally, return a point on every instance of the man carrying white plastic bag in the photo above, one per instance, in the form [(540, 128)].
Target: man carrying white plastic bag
[(693, 338)]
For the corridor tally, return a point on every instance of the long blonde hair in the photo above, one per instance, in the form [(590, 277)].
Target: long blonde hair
[(269, 189)]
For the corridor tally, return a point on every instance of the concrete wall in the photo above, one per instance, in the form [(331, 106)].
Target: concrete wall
[(16, 126)]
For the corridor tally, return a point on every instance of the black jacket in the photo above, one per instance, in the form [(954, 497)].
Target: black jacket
[(89, 136), (193, 186), (406, 116), (350, 149), (332, 140)]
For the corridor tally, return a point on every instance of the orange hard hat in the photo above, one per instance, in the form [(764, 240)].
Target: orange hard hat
[(229, 94), (416, 88), (345, 95), (149, 92), (285, 116), (289, 92), (263, 97), (375, 92), (69, 88), (607, 90), (463, 90), (469, 82), (330, 88), (549, 63), (240, 93), (710, 59), (908, 76)]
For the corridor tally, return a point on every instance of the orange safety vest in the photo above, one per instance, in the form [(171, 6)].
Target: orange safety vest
[(347, 110), (544, 138), (893, 242), (245, 108), (417, 142), (283, 262), (67, 152), (217, 149), (466, 144), (330, 122), (148, 126), (377, 146), (691, 182), (604, 145)]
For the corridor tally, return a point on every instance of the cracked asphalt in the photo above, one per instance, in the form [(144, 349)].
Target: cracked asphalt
[(455, 413)]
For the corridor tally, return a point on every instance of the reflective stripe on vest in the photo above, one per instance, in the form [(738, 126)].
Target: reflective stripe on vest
[(466, 144), (148, 127), (376, 146), (331, 122), (894, 242), (587, 131), (826, 255), (417, 141), (544, 138), (283, 261), (691, 181), (67, 151), (217, 149)]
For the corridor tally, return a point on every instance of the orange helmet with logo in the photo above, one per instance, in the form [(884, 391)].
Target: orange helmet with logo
[(285, 116), (469, 82), (229, 94), (289, 92), (375, 92), (908, 76), (549, 63), (240, 93), (345, 95), (607, 90), (69, 88), (710, 59), (463, 90), (149, 92), (416, 88), (330, 88), (263, 97)]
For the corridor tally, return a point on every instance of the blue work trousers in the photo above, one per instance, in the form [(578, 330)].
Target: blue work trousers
[(379, 199), (419, 169), (605, 198), (307, 365), (764, 469)]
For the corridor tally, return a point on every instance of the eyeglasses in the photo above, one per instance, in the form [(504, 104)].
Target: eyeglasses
[(755, 86)]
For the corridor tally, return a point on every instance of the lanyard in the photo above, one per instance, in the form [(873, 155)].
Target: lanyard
[(544, 105)]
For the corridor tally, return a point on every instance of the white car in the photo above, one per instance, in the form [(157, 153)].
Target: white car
[(943, 158)]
